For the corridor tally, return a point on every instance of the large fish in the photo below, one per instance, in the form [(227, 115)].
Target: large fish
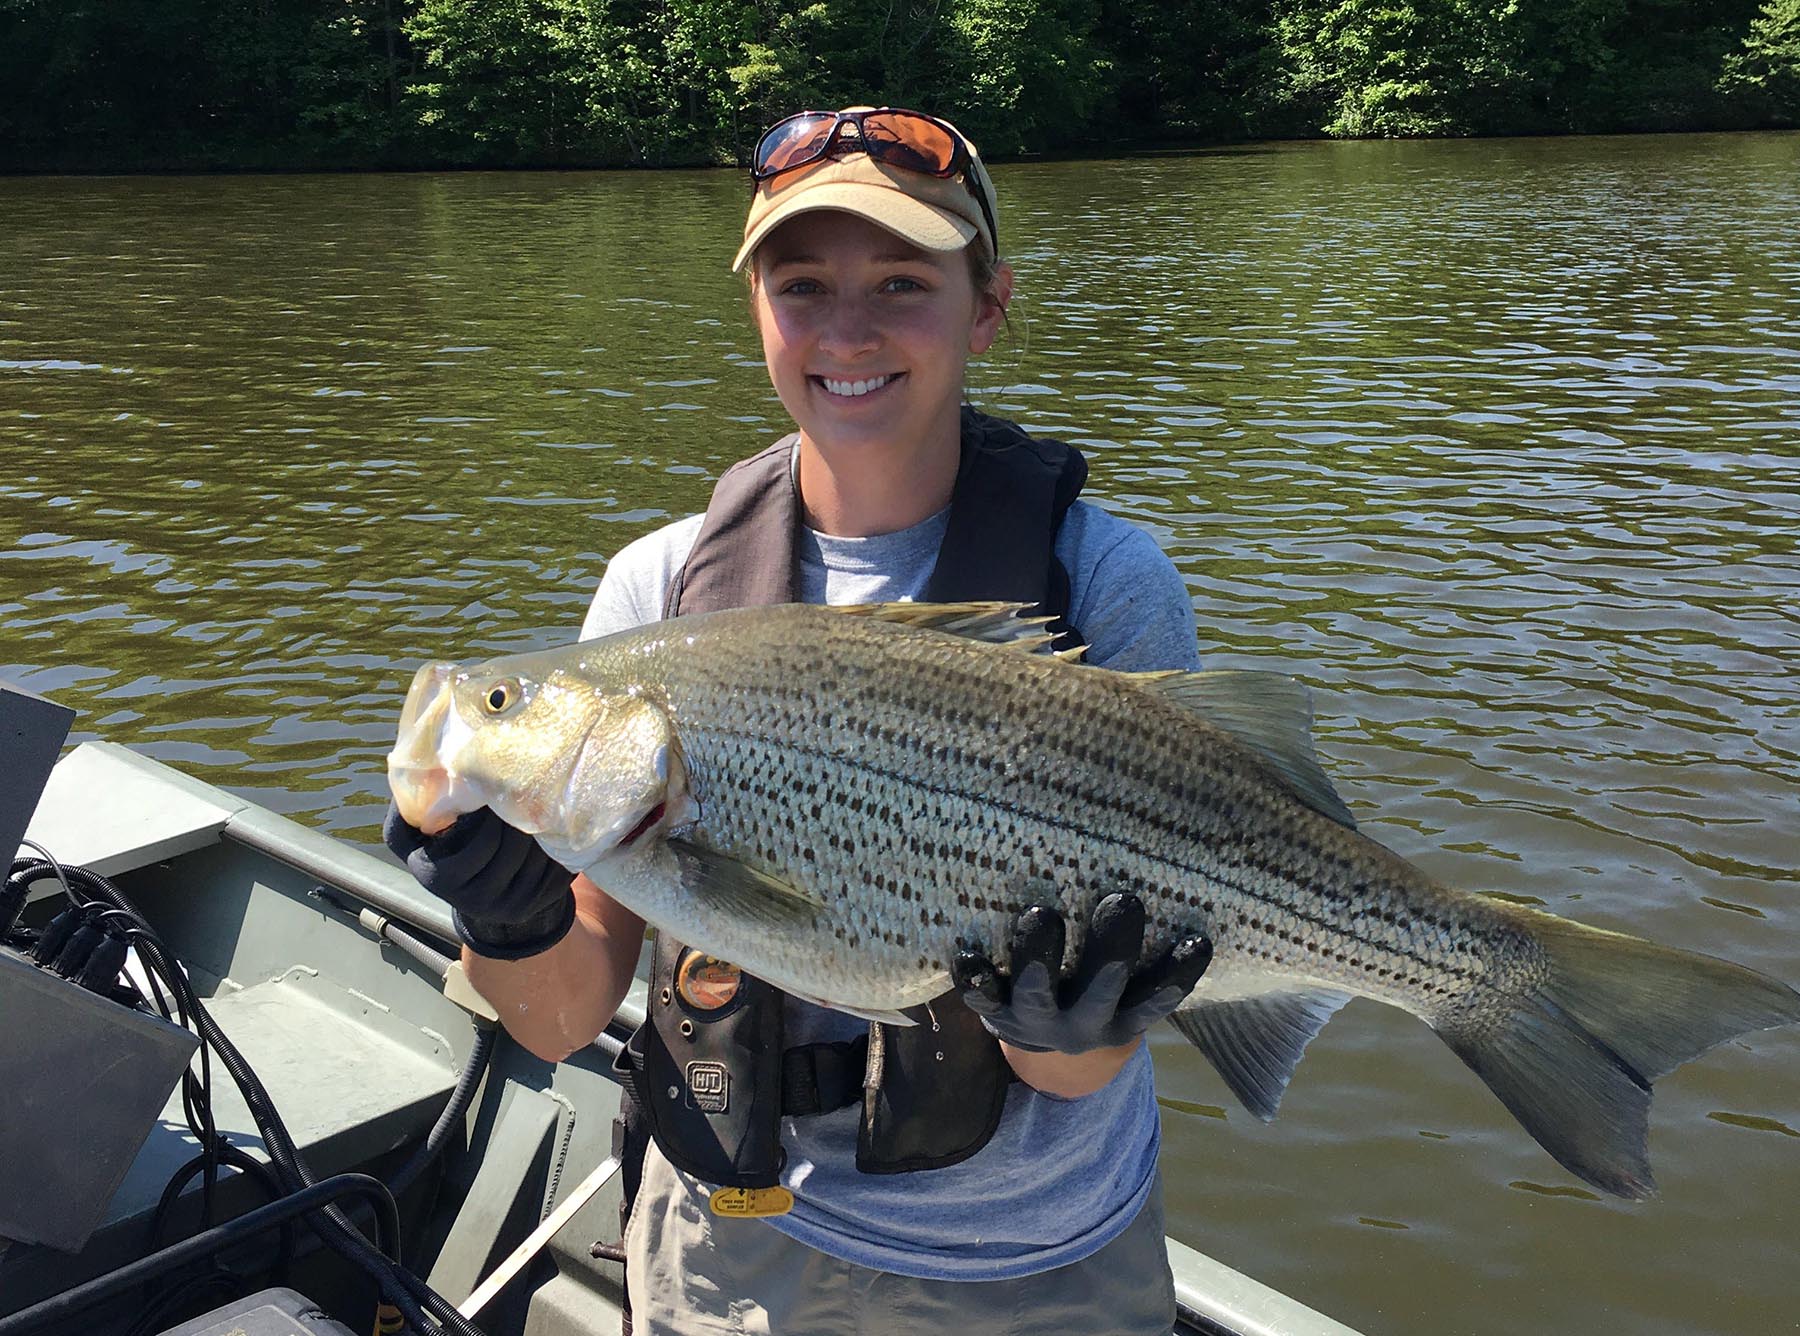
[(840, 799)]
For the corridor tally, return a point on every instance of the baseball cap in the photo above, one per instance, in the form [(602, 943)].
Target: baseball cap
[(932, 212)]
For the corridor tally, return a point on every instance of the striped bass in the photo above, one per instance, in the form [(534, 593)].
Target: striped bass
[(841, 799)]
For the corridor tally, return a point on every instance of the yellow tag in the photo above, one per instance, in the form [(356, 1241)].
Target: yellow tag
[(751, 1203)]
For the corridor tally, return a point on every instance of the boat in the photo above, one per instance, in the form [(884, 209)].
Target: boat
[(488, 1173)]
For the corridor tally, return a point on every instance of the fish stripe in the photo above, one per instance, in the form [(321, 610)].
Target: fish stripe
[(1083, 830)]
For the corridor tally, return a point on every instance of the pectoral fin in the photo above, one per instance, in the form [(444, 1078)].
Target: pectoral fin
[(1256, 1043), (740, 889)]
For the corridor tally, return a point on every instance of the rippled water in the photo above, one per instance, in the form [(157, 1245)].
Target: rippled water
[(1496, 444)]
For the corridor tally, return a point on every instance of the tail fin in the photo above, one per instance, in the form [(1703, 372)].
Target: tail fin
[(1574, 1060)]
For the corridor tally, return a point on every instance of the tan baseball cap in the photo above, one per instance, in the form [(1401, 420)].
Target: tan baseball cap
[(934, 213)]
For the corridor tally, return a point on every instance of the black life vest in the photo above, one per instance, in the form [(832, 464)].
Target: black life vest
[(707, 1071)]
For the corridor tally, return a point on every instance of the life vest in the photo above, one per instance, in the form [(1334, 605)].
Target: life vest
[(707, 1071)]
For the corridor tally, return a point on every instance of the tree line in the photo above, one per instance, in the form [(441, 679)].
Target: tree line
[(110, 84)]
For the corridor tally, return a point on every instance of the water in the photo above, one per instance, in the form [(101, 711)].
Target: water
[(1496, 444)]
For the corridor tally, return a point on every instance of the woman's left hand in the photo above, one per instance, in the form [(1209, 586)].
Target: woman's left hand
[(1104, 1005)]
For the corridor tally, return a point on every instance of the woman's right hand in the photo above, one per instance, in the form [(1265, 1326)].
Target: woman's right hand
[(508, 897)]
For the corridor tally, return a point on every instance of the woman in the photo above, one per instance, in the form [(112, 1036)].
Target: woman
[(994, 1170)]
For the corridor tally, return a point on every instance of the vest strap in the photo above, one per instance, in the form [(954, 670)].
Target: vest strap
[(1012, 492), (746, 554)]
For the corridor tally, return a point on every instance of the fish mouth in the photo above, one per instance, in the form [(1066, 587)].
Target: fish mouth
[(426, 793)]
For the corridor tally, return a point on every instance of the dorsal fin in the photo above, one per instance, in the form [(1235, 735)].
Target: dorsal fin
[(990, 623), (1267, 712)]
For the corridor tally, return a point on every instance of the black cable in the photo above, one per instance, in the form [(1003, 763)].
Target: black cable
[(172, 1300), (179, 1294), (30, 870), (196, 1091), (238, 1159), (311, 1199), (407, 1292), (480, 1053), (12, 902), (56, 935)]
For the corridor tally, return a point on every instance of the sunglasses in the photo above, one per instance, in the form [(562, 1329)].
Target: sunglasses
[(907, 139)]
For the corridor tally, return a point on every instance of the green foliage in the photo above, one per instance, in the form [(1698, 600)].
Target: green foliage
[(350, 73), (207, 83), (1764, 72), (1028, 70), (1375, 67), (1195, 69), (162, 83), (1423, 67), (499, 77), (1666, 60)]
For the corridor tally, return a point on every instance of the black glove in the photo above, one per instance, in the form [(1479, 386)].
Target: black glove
[(1104, 1004), (508, 897)]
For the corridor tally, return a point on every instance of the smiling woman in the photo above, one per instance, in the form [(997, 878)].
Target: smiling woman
[(995, 1167), (867, 339), (873, 259)]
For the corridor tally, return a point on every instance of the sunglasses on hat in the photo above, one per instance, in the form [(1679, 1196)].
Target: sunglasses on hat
[(910, 140)]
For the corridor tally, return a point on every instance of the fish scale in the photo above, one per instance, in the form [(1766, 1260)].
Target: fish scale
[(840, 800)]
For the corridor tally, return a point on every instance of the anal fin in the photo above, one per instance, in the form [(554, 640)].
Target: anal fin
[(1256, 1043)]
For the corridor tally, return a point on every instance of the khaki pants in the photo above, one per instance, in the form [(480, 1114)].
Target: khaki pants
[(692, 1273)]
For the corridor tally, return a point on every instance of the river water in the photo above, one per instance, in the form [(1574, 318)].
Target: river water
[(1495, 444)]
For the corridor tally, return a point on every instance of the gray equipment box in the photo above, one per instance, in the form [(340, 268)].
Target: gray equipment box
[(85, 1079), (276, 1312), (32, 730)]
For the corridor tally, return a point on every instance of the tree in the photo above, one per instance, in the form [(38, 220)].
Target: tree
[(495, 86), (1412, 67), (1029, 72), (349, 73), (1192, 69), (1379, 67), (1764, 73)]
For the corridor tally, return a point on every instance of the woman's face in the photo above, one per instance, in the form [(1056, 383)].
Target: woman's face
[(865, 335)]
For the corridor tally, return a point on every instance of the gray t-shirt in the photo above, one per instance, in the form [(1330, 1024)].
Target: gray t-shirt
[(1061, 1178)]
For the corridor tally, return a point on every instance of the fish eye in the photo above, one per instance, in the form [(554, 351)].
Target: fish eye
[(501, 696)]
